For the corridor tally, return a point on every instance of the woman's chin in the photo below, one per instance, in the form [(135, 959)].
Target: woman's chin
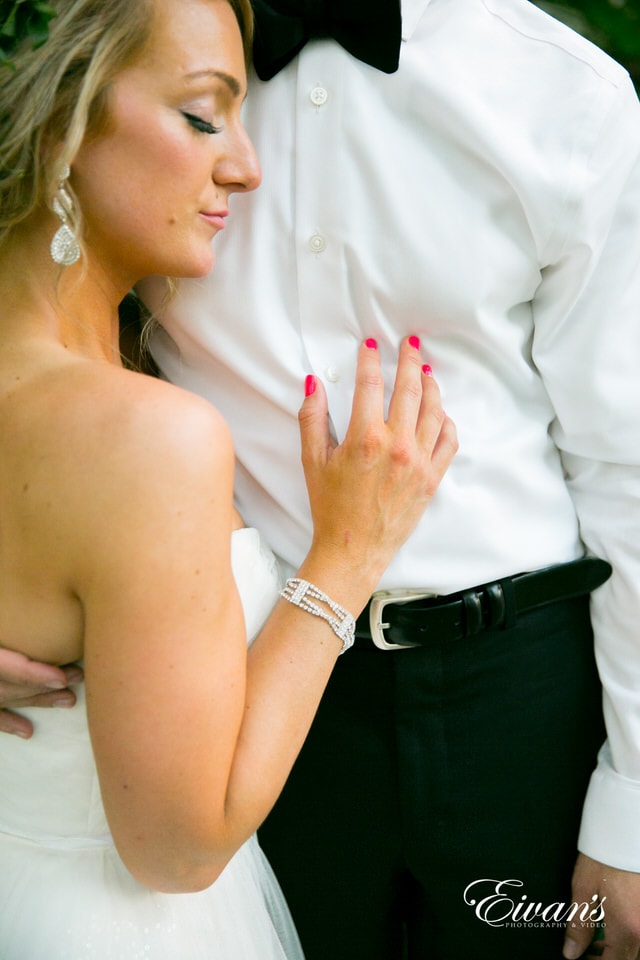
[(198, 267)]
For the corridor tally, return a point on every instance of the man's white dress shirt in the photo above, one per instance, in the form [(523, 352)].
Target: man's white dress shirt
[(487, 198)]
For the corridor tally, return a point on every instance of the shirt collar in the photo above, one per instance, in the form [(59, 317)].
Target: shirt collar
[(412, 10)]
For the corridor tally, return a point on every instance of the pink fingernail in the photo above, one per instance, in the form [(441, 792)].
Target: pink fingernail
[(426, 369), (414, 342), (309, 385), (371, 343)]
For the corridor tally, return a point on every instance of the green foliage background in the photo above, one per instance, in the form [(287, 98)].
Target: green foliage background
[(613, 24)]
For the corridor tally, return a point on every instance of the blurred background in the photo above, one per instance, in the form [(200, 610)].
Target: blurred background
[(613, 24)]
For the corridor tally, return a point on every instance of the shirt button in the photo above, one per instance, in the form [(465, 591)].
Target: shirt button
[(319, 96), (332, 374), (317, 243)]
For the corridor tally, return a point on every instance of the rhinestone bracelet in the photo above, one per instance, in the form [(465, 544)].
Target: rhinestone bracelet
[(301, 594)]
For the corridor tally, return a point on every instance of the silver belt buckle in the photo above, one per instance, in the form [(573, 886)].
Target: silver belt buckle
[(378, 602)]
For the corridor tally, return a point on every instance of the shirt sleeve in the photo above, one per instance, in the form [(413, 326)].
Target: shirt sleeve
[(587, 348)]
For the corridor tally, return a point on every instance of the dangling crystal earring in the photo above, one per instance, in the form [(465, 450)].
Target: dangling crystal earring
[(65, 248)]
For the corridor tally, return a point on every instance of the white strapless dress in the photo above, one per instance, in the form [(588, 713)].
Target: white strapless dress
[(64, 892)]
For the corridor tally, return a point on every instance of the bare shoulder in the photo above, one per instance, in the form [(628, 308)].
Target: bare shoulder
[(107, 474), (140, 423), (144, 402), (113, 447)]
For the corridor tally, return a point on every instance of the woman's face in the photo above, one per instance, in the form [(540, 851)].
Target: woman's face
[(154, 185)]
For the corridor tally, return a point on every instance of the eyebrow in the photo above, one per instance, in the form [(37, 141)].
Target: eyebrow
[(230, 81)]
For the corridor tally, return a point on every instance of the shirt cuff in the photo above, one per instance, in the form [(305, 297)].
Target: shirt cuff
[(610, 830)]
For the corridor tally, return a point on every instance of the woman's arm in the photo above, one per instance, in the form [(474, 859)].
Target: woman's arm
[(193, 737)]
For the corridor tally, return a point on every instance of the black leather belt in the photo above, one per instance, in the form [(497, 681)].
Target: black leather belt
[(398, 619)]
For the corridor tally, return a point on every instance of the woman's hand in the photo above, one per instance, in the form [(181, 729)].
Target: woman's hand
[(368, 493)]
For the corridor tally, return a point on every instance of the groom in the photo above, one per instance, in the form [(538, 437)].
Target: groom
[(469, 170)]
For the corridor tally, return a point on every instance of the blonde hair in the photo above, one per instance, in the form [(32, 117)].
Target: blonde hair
[(57, 94)]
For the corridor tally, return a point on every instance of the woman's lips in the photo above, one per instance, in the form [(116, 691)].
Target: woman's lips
[(215, 219)]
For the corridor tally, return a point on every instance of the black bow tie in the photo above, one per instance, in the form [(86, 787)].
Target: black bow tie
[(369, 29)]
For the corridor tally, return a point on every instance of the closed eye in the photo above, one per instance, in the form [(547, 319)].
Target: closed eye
[(202, 126)]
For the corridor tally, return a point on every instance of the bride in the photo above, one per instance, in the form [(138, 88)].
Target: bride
[(120, 145)]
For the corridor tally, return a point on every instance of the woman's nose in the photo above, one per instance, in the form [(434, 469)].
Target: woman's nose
[(239, 170)]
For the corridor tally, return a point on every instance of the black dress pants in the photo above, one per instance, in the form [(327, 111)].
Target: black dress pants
[(433, 768)]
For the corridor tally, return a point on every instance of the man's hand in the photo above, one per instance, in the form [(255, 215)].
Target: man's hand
[(621, 923), (27, 683)]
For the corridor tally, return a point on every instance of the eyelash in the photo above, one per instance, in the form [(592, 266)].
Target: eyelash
[(202, 126)]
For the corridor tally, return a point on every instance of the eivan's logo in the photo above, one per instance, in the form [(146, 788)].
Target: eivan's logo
[(500, 903)]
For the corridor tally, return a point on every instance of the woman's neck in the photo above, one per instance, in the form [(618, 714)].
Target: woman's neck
[(76, 306)]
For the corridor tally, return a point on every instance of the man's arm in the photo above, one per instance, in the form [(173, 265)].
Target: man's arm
[(587, 349), (27, 683)]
